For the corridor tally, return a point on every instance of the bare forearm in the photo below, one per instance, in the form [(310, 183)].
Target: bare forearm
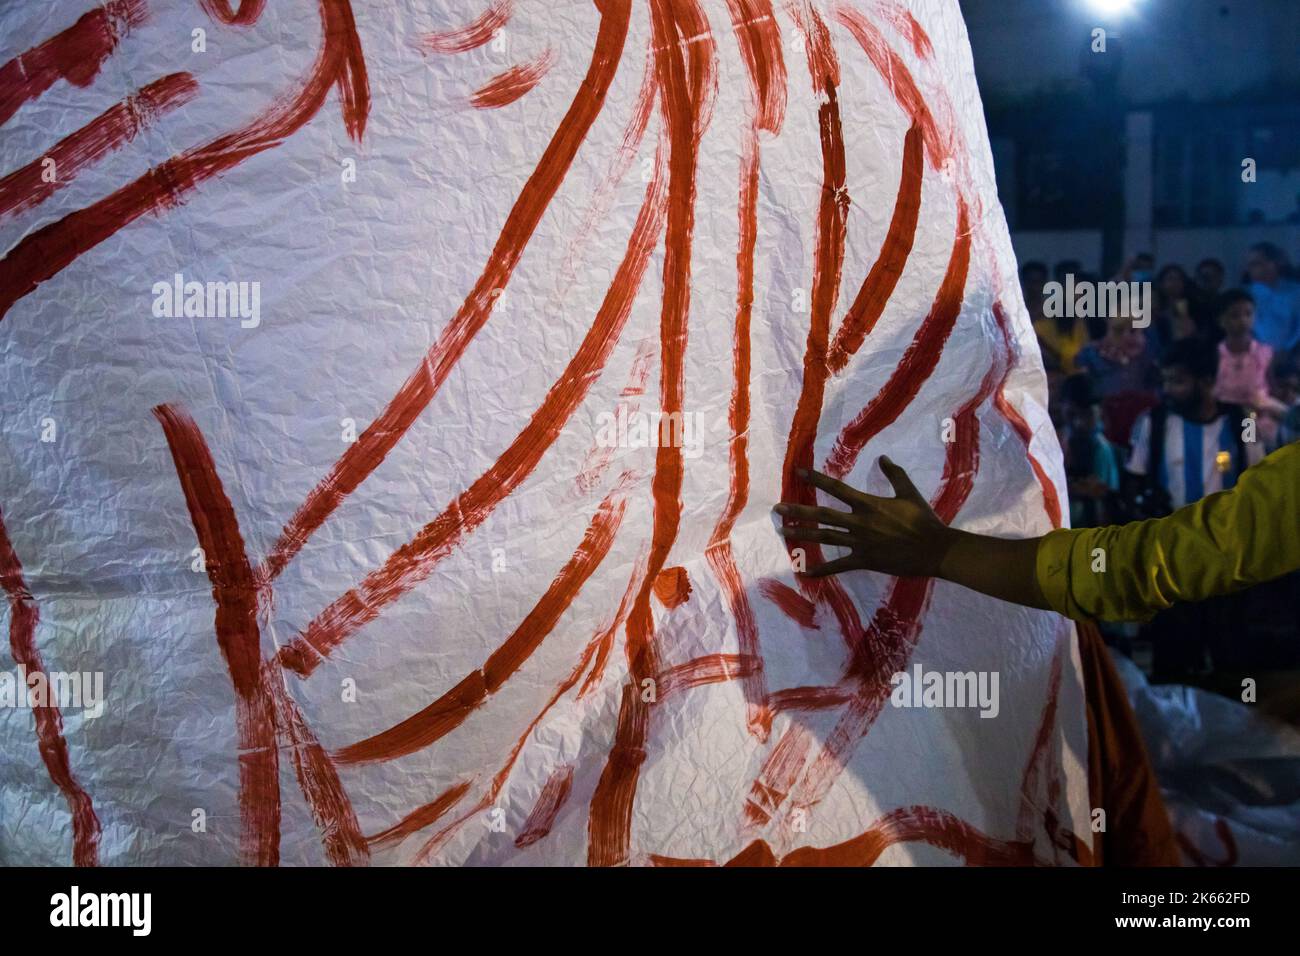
[(1004, 568)]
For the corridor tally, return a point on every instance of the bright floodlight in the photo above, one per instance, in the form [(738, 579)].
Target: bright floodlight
[(1113, 7)]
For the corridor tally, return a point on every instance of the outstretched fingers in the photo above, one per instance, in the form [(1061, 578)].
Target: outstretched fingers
[(819, 535), (837, 489), (840, 519), (899, 479)]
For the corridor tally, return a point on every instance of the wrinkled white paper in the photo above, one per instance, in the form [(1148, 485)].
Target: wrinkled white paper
[(360, 247)]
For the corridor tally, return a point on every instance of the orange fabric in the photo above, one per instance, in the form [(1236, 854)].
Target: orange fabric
[(1120, 778)]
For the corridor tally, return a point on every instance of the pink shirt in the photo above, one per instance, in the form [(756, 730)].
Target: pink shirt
[(1243, 376)]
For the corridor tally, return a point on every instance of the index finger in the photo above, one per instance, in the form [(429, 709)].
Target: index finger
[(838, 489)]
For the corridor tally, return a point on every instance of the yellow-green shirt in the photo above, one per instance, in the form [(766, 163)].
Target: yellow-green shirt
[(1222, 543)]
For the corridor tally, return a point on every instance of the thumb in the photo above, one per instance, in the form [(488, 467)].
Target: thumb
[(902, 484)]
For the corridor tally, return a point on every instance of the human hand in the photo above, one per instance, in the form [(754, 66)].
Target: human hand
[(901, 536)]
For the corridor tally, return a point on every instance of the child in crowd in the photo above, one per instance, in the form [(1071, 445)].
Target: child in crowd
[(1244, 363)]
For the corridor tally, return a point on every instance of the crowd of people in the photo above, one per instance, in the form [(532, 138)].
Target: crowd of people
[(1157, 409)]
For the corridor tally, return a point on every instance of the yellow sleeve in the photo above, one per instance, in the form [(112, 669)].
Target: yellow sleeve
[(1227, 541)]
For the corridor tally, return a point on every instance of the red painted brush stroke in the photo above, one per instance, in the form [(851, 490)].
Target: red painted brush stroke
[(759, 38), (719, 554), (906, 24), (760, 47), (878, 653), (656, 860), (712, 669), (245, 14), (882, 279), (778, 773), (624, 156), (599, 456), (425, 816), (365, 455), (415, 561), (1051, 499), (439, 839), (685, 84), (472, 36), (938, 144), (605, 639), (549, 803), (673, 587), (1039, 755), (330, 806), (1040, 764), (916, 824), (112, 129), (234, 591), (896, 625), (43, 253), (451, 709), (828, 260), (918, 362), (793, 604), (508, 86), (75, 55), (265, 711), (810, 698), (24, 615)]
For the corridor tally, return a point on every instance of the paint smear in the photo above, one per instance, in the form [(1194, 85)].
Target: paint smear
[(938, 145), (508, 86), (937, 828), (793, 604), (760, 47), (234, 591), (118, 125), (778, 773), (24, 615), (673, 587), (244, 14), (1051, 499), (711, 669), (882, 279), (759, 36), (425, 816), (906, 24), (549, 803), (331, 808), (473, 35), (75, 55)]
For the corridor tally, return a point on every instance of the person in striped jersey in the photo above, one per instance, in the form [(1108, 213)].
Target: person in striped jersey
[(1193, 445)]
